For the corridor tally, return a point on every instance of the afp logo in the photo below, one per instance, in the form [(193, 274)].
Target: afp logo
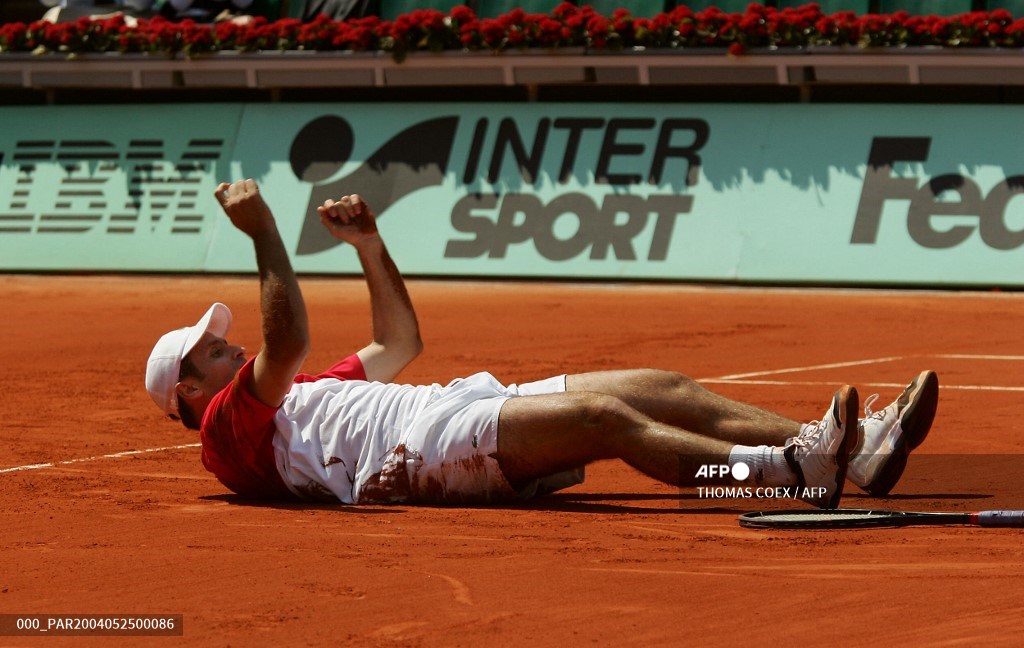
[(738, 471)]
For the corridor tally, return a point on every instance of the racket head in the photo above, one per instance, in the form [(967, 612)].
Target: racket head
[(845, 519)]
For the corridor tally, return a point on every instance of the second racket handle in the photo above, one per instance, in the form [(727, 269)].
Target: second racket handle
[(1001, 518)]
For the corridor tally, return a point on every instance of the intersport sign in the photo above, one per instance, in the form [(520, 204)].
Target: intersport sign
[(518, 180)]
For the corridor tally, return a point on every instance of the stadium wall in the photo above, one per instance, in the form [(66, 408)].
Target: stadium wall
[(592, 188)]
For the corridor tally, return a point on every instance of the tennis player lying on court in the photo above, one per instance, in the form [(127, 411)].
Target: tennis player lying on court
[(352, 434)]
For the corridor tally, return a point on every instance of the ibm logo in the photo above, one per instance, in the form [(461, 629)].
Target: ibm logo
[(79, 186)]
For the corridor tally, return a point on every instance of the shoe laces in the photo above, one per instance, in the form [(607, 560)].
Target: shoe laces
[(809, 434), (870, 413)]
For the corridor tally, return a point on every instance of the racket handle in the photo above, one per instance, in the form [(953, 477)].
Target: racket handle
[(1000, 518)]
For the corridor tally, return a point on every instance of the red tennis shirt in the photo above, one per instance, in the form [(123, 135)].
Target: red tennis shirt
[(238, 431)]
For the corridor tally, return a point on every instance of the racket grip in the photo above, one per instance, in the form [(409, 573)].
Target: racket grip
[(1001, 518)]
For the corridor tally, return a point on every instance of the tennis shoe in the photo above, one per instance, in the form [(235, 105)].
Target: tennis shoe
[(819, 454), (888, 435)]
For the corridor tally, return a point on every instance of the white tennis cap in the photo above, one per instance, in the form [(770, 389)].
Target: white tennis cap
[(165, 360)]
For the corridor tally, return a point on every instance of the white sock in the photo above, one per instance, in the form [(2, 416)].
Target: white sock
[(767, 465)]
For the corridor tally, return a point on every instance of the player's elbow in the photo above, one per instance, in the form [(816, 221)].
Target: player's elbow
[(408, 349), (302, 349), (396, 350), (299, 342), (406, 344)]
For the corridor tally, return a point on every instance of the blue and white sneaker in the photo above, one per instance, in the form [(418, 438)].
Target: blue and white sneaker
[(820, 453), (888, 435)]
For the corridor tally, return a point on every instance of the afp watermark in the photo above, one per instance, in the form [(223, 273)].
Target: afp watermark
[(740, 472)]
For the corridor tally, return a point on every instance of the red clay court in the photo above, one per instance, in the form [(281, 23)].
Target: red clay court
[(109, 510)]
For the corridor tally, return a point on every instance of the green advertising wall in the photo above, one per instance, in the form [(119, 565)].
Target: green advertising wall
[(854, 194)]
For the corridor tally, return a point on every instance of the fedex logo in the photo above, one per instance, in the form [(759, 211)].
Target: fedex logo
[(928, 219)]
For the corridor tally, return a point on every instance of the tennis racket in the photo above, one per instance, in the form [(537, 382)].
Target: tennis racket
[(864, 518)]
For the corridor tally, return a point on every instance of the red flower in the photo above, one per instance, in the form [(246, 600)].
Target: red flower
[(567, 24), (13, 36), (513, 17), (462, 13), (564, 9)]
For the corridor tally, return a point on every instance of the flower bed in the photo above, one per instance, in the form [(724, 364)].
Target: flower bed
[(566, 26)]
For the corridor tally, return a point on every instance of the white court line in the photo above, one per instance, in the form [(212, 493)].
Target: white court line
[(968, 356), (816, 383), (794, 383), (127, 453), (834, 365)]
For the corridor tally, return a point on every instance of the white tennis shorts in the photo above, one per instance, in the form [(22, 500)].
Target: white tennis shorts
[(448, 455)]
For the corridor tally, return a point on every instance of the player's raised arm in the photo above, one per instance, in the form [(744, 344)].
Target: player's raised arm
[(396, 333), (285, 329)]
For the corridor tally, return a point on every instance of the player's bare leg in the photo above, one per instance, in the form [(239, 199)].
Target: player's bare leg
[(543, 435), (680, 401)]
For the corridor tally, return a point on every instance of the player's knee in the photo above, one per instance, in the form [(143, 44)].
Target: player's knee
[(661, 380), (603, 414)]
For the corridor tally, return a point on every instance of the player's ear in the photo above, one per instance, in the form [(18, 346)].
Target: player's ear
[(187, 391)]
